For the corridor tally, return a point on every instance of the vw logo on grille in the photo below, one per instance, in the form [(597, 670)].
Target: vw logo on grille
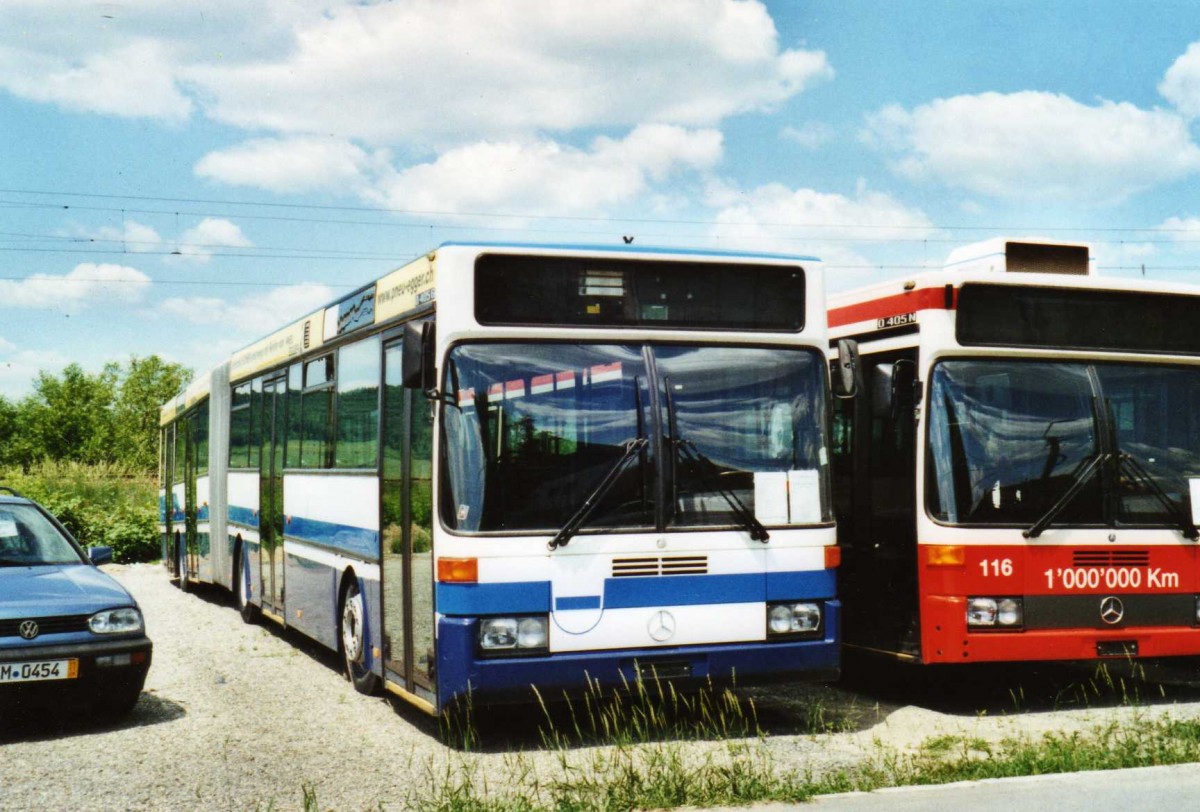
[(28, 629), (661, 626), (1112, 610)]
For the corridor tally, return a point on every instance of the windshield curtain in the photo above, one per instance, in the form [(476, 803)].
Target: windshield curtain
[(1008, 438), (27, 538), (531, 430)]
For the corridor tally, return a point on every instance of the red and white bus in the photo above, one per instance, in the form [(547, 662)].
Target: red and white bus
[(1018, 476)]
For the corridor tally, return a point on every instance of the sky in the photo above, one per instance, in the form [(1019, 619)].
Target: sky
[(181, 178)]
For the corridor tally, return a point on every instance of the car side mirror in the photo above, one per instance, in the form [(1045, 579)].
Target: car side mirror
[(100, 555), (847, 379)]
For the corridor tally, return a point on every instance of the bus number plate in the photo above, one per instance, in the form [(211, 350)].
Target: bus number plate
[(899, 320), (39, 671)]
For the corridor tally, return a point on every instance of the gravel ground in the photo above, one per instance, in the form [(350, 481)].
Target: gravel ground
[(238, 717)]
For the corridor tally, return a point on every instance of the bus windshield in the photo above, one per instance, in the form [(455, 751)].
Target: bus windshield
[(531, 430), (1008, 439)]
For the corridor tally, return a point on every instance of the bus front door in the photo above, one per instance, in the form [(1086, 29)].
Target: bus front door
[(406, 519), (271, 495)]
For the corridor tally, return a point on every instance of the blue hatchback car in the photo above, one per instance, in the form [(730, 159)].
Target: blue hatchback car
[(68, 632)]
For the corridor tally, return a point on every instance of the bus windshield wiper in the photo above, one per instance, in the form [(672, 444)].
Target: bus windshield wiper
[(1081, 479), (563, 536), (1141, 476), (744, 515)]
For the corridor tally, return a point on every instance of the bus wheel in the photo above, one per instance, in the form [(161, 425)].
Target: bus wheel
[(241, 589), (354, 641)]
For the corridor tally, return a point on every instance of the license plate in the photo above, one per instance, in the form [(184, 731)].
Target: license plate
[(39, 671)]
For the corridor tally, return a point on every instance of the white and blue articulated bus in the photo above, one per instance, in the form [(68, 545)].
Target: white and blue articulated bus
[(511, 466)]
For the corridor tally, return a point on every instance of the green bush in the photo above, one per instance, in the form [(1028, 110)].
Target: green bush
[(99, 504)]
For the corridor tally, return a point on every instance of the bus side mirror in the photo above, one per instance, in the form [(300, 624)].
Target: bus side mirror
[(905, 388), (848, 377), (417, 358)]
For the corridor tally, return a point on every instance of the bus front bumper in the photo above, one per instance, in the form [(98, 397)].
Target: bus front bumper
[(462, 671)]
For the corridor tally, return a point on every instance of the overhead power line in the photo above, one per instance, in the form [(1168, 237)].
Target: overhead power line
[(513, 215)]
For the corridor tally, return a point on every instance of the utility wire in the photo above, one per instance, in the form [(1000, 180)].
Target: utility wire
[(515, 215)]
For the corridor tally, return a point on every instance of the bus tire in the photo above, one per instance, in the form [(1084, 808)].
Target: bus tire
[(241, 590), (352, 639)]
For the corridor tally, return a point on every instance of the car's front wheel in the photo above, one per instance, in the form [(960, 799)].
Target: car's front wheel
[(118, 702)]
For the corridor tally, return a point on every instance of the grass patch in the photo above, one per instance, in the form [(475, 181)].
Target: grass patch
[(666, 775), (646, 710)]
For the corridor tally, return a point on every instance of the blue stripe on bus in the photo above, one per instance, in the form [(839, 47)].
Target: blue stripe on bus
[(524, 597), (357, 541), (801, 584), (243, 516), (580, 602), (517, 597)]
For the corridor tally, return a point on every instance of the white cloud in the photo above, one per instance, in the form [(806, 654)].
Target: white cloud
[(19, 368), (88, 283), (810, 135), (6, 345), (286, 165), (776, 218), (1181, 84), (131, 58), (198, 243), (548, 177), (455, 71), (408, 71), (132, 81), (1181, 228), (1032, 146), (252, 314), (134, 237)]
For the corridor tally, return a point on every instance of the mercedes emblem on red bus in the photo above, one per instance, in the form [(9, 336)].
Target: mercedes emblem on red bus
[(1112, 610)]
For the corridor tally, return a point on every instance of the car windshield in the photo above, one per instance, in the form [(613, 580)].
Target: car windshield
[(1007, 439), (27, 538), (531, 431)]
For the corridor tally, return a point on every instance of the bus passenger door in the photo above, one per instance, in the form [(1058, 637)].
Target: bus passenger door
[(406, 519), (191, 537), (879, 566), (270, 520)]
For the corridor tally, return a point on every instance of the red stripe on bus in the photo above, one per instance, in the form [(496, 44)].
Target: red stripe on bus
[(909, 302)]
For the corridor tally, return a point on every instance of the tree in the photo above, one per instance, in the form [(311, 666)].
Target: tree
[(8, 432), (111, 416), (70, 417), (147, 384)]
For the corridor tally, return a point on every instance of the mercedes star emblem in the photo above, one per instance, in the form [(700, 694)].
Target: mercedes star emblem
[(1112, 610), (661, 626), (29, 629)]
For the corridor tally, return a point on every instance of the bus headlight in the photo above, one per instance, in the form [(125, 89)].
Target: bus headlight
[(513, 634), (793, 618), (116, 621), (992, 613)]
